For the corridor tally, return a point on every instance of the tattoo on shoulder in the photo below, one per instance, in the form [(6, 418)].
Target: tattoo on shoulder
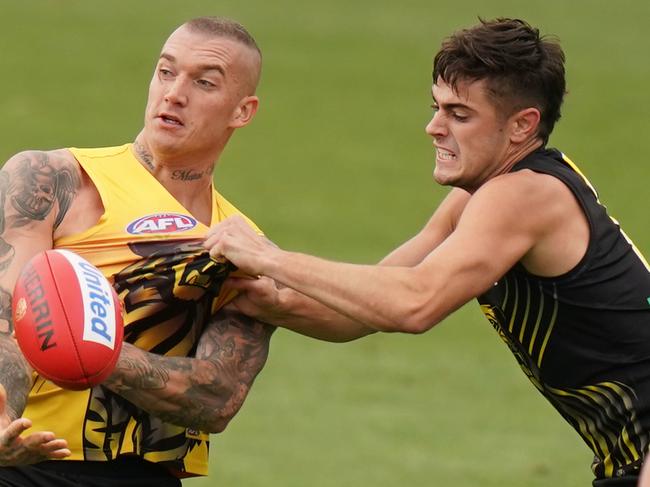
[(6, 250), (38, 185)]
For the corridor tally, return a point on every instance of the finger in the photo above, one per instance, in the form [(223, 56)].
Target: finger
[(42, 438), (210, 241), (56, 449), (14, 430), (59, 454), (56, 444), (214, 249)]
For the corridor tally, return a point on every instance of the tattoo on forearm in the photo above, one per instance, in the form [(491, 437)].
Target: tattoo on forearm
[(6, 320), (37, 186), (145, 374), (15, 375), (229, 356), (144, 155)]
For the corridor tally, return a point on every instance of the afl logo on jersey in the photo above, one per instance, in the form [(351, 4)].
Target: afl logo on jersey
[(161, 223)]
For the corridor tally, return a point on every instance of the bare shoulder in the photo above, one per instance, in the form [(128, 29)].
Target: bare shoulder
[(39, 185), (524, 193), (42, 161), (538, 208)]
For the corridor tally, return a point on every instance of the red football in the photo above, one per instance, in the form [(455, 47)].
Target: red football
[(68, 319)]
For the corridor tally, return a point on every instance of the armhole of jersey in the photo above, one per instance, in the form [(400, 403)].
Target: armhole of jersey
[(103, 196), (584, 206)]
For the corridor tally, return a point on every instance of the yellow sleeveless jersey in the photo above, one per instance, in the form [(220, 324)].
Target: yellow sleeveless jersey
[(149, 246)]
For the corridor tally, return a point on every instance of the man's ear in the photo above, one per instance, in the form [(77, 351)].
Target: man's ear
[(245, 111), (524, 124)]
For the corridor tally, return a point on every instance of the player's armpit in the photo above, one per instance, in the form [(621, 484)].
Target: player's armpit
[(203, 392)]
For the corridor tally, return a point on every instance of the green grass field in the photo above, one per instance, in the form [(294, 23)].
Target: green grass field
[(337, 164)]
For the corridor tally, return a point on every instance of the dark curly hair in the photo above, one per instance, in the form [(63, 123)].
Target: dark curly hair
[(521, 68)]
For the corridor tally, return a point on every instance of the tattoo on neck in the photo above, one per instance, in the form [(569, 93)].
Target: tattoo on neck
[(144, 155), (188, 174)]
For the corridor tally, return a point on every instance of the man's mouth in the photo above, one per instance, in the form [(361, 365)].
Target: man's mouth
[(445, 155), (170, 119)]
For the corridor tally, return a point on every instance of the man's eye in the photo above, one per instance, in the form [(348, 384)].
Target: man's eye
[(459, 117), (205, 83)]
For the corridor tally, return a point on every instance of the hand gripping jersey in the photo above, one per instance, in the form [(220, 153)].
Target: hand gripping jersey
[(149, 247), (583, 338)]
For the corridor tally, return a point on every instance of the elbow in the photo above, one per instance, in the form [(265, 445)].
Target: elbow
[(216, 422), (218, 418), (415, 325), (415, 318), (217, 425)]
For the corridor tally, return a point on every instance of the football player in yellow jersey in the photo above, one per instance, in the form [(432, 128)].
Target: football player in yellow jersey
[(522, 231), (186, 365)]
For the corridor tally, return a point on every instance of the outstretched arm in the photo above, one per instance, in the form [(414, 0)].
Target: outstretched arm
[(203, 392), (513, 217), (36, 190), (272, 302)]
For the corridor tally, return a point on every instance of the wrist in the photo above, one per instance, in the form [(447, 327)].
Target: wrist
[(271, 263)]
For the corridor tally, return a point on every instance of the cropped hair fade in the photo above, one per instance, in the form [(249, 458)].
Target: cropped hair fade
[(223, 27), (521, 68)]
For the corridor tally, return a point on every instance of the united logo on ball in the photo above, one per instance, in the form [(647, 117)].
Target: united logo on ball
[(68, 319)]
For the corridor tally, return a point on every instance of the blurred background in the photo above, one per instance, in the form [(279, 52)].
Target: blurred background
[(337, 164)]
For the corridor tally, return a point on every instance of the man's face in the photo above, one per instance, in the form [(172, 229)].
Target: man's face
[(471, 138), (197, 93)]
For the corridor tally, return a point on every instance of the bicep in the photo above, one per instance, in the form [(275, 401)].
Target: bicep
[(496, 230)]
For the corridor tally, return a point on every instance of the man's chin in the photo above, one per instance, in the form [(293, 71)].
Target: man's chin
[(443, 179)]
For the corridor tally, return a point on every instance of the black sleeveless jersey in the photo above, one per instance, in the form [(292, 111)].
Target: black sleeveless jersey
[(583, 338)]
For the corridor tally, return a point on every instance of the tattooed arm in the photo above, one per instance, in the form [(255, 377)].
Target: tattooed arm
[(36, 191), (203, 392)]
